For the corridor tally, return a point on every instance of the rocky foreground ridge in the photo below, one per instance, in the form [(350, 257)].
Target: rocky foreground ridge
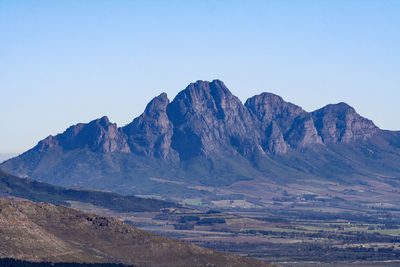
[(44, 232)]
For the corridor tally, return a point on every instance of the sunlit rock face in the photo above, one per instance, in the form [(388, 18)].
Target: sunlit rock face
[(207, 119), (341, 123), (150, 134), (98, 135)]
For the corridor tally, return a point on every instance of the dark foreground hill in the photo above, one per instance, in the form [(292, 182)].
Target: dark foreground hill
[(44, 232), (37, 191), (9, 262), (206, 143)]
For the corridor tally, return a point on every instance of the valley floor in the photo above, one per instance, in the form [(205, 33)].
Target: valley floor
[(299, 236)]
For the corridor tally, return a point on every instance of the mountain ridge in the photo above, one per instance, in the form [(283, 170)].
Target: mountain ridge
[(206, 136), (155, 128), (15, 187)]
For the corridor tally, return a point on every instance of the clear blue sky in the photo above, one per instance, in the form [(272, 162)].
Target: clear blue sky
[(64, 62)]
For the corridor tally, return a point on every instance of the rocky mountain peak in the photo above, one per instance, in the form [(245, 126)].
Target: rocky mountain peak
[(341, 123), (104, 121), (283, 124), (46, 144), (157, 105), (268, 106), (340, 109), (208, 118), (150, 134), (203, 96), (99, 135)]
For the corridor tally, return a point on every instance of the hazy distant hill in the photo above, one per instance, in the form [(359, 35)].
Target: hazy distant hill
[(44, 232), (37, 191), (207, 137)]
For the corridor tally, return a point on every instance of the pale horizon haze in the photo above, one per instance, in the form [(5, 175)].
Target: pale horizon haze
[(65, 62)]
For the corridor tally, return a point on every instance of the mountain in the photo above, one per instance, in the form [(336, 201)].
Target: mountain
[(341, 123), (207, 119), (6, 156), (44, 232), (207, 143), (283, 125), (12, 186)]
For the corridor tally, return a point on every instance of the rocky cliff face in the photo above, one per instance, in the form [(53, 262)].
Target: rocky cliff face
[(341, 123), (150, 134), (283, 124), (303, 132), (207, 119), (268, 107), (98, 135)]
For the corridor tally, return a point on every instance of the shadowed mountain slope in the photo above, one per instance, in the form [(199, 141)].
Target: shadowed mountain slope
[(44, 232), (37, 191)]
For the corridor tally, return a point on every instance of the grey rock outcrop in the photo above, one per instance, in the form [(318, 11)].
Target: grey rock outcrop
[(303, 132), (268, 107), (209, 119), (273, 140), (150, 134), (341, 123), (98, 135), (284, 125)]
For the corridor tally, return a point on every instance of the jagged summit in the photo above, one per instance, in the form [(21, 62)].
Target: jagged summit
[(150, 134), (268, 106), (206, 118), (99, 135), (341, 123), (157, 104), (203, 88)]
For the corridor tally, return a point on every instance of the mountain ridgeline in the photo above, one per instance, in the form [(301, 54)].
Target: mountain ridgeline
[(207, 136), (206, 118)]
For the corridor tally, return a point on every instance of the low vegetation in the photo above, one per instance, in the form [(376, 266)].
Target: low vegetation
[(7, 262), (289, 237), (37, 191), (43, 232)]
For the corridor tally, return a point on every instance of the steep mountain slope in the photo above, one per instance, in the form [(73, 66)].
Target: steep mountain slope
[(44, 232), (341, 123), (206, 137), (5, 156), (208, 120), (150, 134), (283, 124)]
